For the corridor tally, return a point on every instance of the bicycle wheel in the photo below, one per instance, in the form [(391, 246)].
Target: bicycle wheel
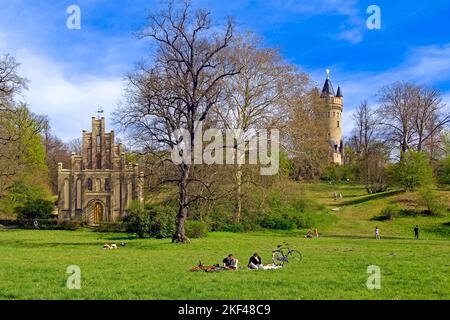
[(295, 256), (278, 258)]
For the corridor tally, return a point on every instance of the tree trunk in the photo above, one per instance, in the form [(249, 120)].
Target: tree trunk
[(180, 232), (238, 212)]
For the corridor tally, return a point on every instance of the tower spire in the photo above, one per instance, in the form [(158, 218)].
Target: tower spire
[(328, 90), (339, 92), (100, 111)]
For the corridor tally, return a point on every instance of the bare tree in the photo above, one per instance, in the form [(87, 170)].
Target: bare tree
[(306, 134), (178, 89), (370, 151), (75, 146), (429, 117), (411, 115), (396, 114), (12, 117), (254, 98), (56, 151), (11, 84)]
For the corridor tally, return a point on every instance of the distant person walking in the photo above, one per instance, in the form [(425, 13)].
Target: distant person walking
[(335, 196), (341, 196), (377, 233), (416, 232)]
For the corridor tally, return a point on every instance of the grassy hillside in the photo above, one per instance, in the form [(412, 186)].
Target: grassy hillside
[(34, 267), (357, 210), (33, 263)]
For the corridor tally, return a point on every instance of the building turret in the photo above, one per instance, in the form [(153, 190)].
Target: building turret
[(334, 108)]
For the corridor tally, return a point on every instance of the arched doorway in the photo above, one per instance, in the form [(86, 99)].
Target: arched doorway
[(98, 213)]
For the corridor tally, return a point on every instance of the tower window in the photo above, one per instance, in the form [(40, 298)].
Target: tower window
[(107, 185), (99, 161), (338, 124), (334, 114)]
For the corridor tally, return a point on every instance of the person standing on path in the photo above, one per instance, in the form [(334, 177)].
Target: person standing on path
[(416, 232), (377, 233)]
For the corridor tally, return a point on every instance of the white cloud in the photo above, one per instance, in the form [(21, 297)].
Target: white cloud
[(352, 35), (428, 65), (68, 101), (67, 96)]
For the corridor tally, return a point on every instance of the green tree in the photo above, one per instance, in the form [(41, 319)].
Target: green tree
[(444, 171), (23, 170), (413, 171), (35, 209)]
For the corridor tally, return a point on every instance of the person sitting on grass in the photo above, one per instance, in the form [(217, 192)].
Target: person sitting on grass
[(255, 262), (316, 233), (230, 263), (309, 235)]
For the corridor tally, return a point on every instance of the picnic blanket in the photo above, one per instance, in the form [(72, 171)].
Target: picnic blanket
[(216, 268)]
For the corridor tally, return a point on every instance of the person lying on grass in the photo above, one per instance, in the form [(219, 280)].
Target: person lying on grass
[(255, 262), (230, 262)]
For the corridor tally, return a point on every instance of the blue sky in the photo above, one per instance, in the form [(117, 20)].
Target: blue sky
[(74, 71)]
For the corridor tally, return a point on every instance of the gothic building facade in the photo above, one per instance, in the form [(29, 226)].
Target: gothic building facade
[(334, 105), (100, 184)]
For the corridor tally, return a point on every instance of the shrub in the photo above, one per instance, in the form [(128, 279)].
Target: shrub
[(337, 173), (236, 228), (431, 201), (111, 227), (196, 229), (137, 221), (240, 227), (153, 221), (413, 171), (278, 223), (71, 225), (387, 214), (35, 209), (444, 171), (162, 221)]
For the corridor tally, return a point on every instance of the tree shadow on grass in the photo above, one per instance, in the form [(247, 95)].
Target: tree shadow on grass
[(371, 197), (40, 244), (99, 244), (364, 237)]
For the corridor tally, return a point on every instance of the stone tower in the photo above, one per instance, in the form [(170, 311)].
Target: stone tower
[(334, 108), (99, 185)]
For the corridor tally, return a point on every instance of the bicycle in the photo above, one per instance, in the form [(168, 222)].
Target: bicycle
[(280, 256)]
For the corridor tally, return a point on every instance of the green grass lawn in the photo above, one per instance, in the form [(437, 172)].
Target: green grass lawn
[(33, 266), (33, 263)]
